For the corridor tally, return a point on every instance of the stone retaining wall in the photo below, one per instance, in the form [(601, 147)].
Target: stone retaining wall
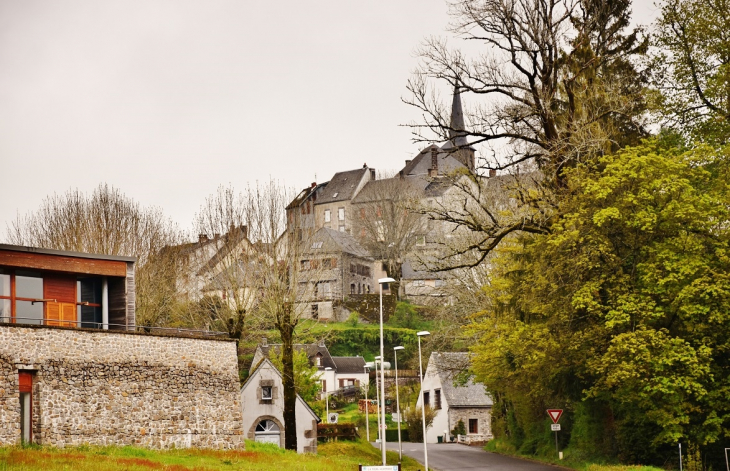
[(104, 387)]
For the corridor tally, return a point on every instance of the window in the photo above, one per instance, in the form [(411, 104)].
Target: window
[(25, 387), (267, 393), (342, 228), (419, 283), (427, 398), (473, 425), (317, 245), (323, 383), (341, 214), (327, 215), (437, 399), (318, 360), (352, 288), (315, 315), (304, 264), (327, 263)]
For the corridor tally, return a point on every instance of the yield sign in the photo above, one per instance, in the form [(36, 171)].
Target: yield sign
[(555, 414)]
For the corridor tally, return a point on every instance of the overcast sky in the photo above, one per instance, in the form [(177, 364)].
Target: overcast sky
[(167, 100)]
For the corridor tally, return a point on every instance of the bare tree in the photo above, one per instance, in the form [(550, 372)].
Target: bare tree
[(555, 86), (107, 222), (386, 222), (253, 276)]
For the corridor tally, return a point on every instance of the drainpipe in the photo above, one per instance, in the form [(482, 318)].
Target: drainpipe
[(105, 303)]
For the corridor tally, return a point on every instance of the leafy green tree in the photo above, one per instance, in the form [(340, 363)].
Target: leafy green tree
[(306, 376), (623, 305), (692, 67)]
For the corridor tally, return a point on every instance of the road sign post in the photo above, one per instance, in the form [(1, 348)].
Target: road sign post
[(555, 415)]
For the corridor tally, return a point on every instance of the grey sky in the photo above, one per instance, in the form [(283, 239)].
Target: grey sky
[(167, 100)]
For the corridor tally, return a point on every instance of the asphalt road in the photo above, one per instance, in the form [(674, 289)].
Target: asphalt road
[(455, 457)]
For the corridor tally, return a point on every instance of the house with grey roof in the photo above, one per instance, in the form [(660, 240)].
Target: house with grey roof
[(455, 397), (333, 265), (332, 208), (335, 373)]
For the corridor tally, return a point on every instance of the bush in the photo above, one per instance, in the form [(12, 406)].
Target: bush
[(392, 435), (414, 424)]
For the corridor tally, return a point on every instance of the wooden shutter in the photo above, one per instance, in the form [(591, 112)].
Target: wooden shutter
[(53, 313), (25, 381), (68, 314)]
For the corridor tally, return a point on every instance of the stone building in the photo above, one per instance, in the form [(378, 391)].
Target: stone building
[(262, 402), (66, 386), (333, 265), (74, 371), (454, 401)]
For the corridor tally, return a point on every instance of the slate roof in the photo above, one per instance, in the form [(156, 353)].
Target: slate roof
[(448, 366), (311, 349), (256, 368), (305, 194), (342, 186), (348, 365), (421, 163), (336, 241)]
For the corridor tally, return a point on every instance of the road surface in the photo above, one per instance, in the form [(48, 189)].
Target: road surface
[(455, 457)]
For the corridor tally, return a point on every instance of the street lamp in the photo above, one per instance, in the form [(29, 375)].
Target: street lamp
[(397, 400), (423, 333), (381, 282), (367, 406), (327, 396), (377, 399)]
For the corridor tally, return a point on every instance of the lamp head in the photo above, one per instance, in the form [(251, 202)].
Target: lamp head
[(399, 348), (386, 280), (423, 333)]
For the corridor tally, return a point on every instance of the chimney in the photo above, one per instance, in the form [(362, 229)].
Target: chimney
[(372, 174), (434, 170), (314, 184), (202, 238), (264, 342), (320, 343), (244, 230), (408, 161), (492, 173), (401, 175)]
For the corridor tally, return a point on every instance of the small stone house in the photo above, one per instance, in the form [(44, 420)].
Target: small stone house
[(333, 266), (262, 402), (454, 401)]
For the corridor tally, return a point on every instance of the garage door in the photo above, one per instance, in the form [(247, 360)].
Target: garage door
[(268, 432)]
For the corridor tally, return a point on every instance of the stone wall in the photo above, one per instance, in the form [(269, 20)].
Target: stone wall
[(484, 424), (122, 388)]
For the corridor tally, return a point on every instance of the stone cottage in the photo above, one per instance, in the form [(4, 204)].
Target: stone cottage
[(262, 402), (454, 400)]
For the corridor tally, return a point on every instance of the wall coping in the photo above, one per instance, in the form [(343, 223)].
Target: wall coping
[(185, 335)]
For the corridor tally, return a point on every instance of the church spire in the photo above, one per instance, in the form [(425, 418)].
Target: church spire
[(456, 133)]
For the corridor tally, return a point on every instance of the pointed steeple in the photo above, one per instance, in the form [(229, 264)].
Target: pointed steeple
[(458, 144), (456, 133)]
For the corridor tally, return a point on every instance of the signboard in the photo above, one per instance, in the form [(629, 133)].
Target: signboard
[(555, 414), (394, 467), (555, 427), (395, 417)]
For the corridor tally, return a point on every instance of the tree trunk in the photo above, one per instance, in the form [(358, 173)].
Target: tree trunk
[(286, 329)]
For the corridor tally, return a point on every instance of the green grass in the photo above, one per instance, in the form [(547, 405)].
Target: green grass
[(333, 456)]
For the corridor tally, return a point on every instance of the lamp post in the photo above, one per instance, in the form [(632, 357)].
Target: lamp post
[(381, 282), (397, 400), (327, 396), (377, 399), (367, 407), (423, 333)]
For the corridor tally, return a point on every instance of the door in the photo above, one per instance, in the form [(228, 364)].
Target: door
[(268, 432), (25, 388)]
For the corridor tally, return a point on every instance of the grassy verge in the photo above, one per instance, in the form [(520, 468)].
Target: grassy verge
[(260, 457), (568, 461)]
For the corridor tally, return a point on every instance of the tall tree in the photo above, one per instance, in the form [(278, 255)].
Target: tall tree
[(555, 86), (692, 67), (110, 223)]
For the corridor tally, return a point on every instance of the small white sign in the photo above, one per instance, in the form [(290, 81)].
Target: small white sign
[(380, 468), (396, 417), (555, 427), (332, 418)]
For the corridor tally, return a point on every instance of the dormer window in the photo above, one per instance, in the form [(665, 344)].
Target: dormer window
[(335, 195), (267, 393), (318, 360)]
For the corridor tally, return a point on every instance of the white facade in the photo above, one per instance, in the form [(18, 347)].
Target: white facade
[(453, 402), (262, 401)]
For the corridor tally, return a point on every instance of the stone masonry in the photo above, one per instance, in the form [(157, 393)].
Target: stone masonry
[(121, 388)]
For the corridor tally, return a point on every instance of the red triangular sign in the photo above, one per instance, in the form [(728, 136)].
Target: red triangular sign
[(555, 414)]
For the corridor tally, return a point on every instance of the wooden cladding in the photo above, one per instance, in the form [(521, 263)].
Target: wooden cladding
[(60, 288), (63, 314), (25, 381), (63, 263)]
